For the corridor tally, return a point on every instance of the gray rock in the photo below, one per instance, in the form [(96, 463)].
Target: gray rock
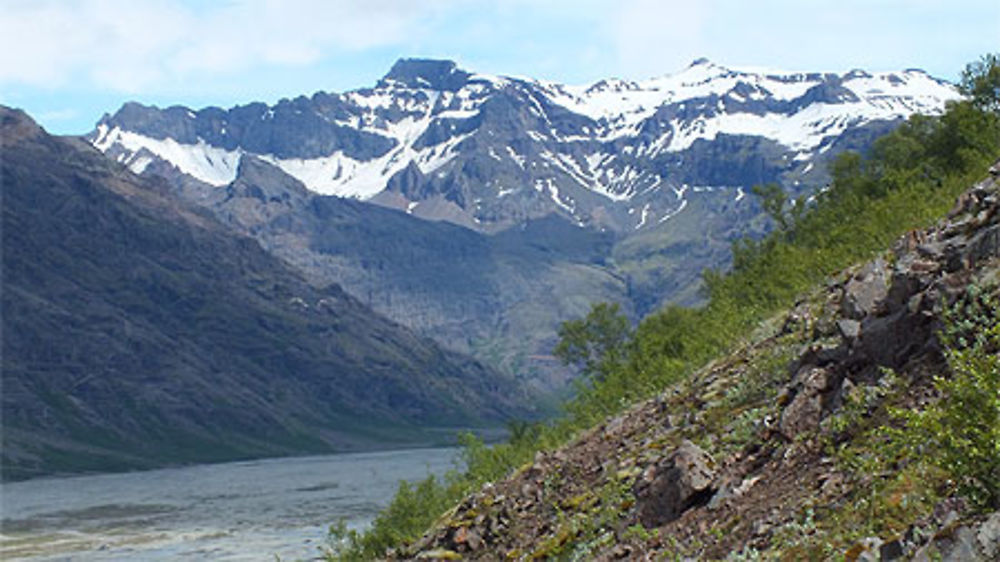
[(961, 547), (890, 550), (984, 246), (866, 290), (849, 329), (806, 410), (989, 537), (682, 481)]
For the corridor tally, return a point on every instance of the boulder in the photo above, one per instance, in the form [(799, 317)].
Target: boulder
[(678, 483), (866, 290), (806, 409), (849, 329), (961, 547), (989, 537)]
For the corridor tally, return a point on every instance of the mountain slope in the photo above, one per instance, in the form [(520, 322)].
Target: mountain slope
[(500, 296), (794, 446), (138, 332)]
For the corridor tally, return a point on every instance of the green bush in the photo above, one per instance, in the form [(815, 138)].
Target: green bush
[(960, 433), (413, 509)]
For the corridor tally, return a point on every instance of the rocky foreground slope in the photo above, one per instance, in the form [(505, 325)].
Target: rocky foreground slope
[(752, 457)]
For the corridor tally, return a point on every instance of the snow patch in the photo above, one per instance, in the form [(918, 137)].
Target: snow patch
[(210, 164), (517, 158), (673, 213), (645, 215), (139, 164)]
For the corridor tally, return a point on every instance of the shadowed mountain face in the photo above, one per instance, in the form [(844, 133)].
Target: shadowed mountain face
[(139, 332), (498, 296)]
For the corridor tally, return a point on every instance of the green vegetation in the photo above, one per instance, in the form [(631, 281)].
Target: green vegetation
[(910, 178), (902, 462), (405, 518), (960, 433), (595, 344)]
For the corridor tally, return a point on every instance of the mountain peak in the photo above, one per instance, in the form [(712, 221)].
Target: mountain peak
[(16, 125), (435, 74)]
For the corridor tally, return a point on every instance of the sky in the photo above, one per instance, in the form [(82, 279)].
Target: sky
[(68, 62)]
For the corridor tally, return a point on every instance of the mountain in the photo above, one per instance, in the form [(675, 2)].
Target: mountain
[(499, 296), (493, 151), (138, 331), (647, 182)]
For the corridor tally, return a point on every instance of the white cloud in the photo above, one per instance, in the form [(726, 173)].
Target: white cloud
[(127, 46), (266, 47)]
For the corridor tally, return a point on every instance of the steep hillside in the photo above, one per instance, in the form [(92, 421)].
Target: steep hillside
[(653, 176), (803, 412), (799, 445), (140, 332)]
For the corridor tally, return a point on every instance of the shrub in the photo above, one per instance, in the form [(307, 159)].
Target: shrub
[(960, 432)]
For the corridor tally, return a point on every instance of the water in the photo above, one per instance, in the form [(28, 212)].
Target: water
[(251, 510)]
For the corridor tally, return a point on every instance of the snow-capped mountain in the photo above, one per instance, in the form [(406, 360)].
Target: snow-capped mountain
[(657, 171), (489, 152)]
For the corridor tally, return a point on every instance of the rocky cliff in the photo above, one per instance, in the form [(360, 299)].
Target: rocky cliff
[(489, 152)]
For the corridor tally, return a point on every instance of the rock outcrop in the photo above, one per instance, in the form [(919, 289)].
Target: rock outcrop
[(682, 481)]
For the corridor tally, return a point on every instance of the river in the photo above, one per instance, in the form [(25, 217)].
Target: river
[(253, 510)]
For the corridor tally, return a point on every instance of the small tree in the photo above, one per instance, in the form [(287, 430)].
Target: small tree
[(594, 343), (776, 203), (981, 82), (773, 200)]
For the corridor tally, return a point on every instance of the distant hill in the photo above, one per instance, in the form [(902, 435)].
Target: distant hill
[(140, 332)]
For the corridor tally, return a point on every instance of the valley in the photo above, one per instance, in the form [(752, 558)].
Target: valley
[(417, 264), (611, 280)]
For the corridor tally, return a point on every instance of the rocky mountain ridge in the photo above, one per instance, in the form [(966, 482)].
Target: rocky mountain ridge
[(750, 458), (489, 152)]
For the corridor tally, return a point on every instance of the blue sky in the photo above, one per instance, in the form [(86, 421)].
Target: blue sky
[(68, 62)]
